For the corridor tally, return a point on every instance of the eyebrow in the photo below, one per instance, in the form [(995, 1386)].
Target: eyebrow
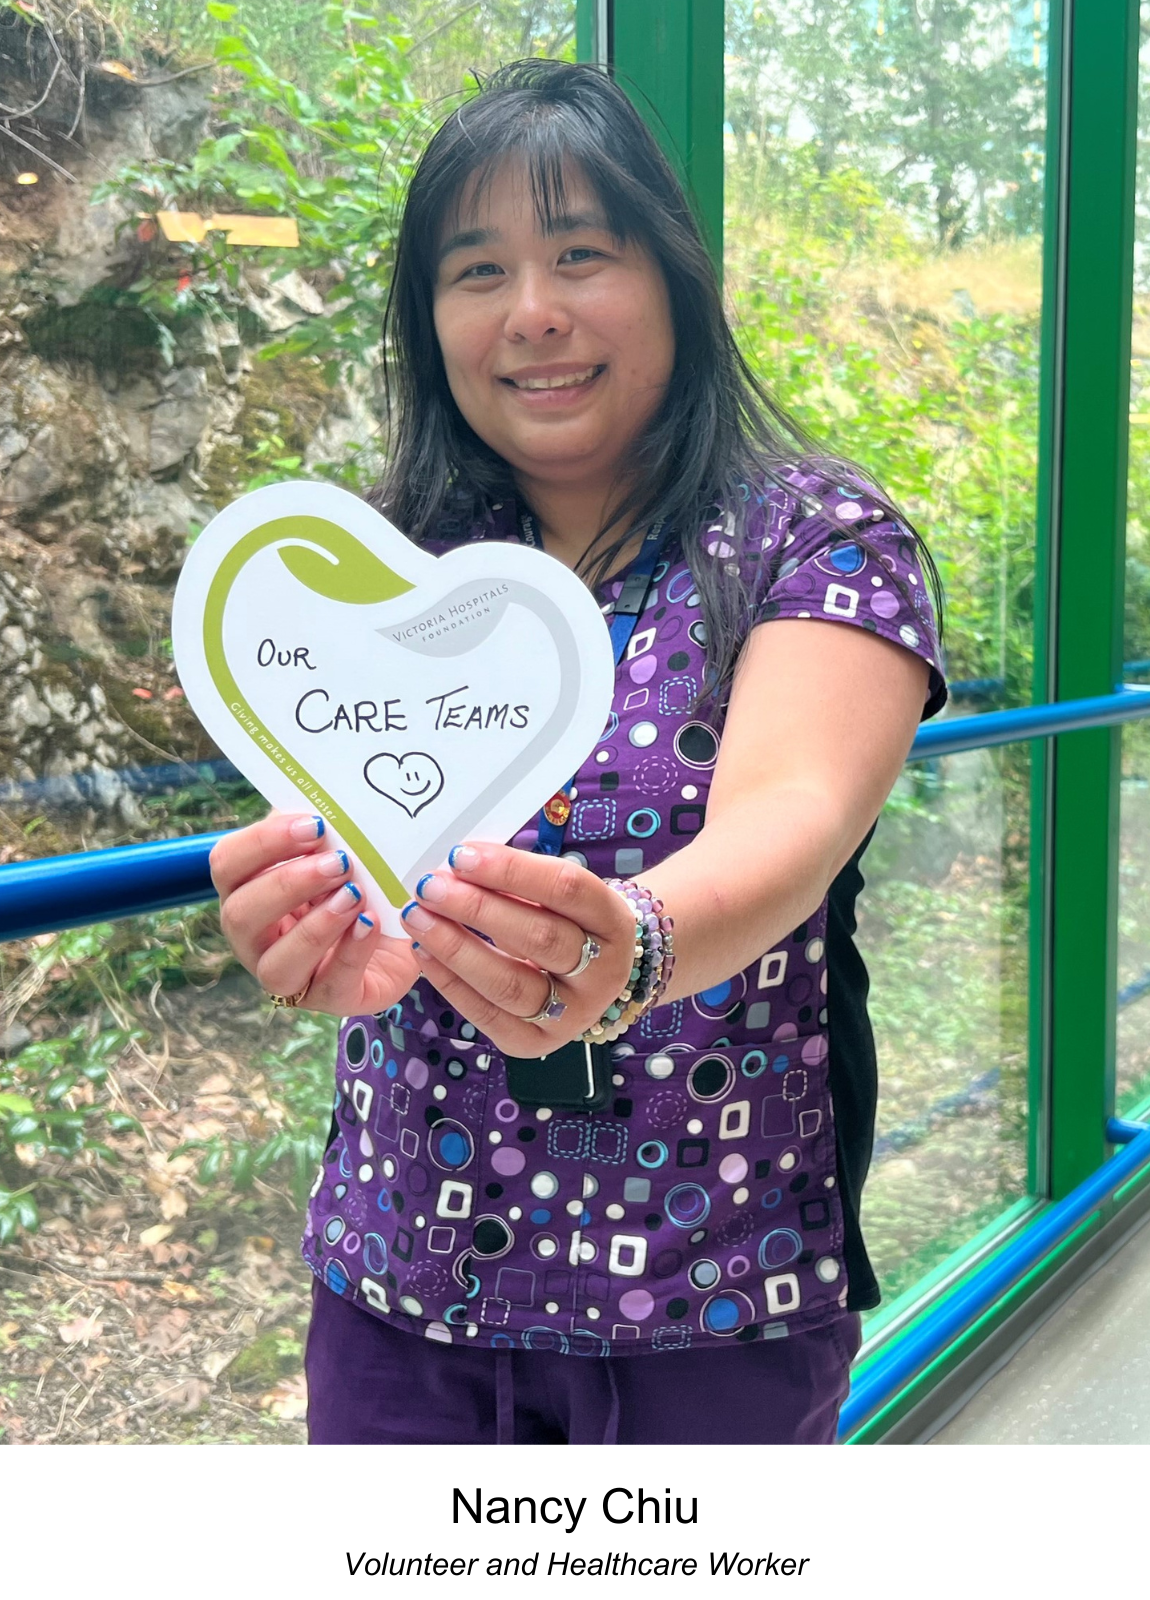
[(471, 239), (564, 222)]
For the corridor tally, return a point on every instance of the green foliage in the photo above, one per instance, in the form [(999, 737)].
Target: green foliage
[(316, 118), (1137, 643), (48, 1108), (335, 160), (950, 431), (18, 1213), (58, 1108), (197, 806), (270, 1356), (298, 1078), (893, 82), (447, 40)]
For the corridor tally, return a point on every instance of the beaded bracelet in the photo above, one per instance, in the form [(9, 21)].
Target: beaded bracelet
[(652, 963)]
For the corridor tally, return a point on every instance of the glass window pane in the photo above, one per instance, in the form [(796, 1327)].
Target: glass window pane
[(1132, 1087), (883, 217), (887, 273), (171, 1129), (152, 371), (159, 1128), (943, 930)]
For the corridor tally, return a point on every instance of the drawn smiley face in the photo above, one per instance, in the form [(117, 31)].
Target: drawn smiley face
[(412, 781)]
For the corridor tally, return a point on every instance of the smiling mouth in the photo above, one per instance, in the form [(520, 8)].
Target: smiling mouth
[(569, 380), (413, 794)]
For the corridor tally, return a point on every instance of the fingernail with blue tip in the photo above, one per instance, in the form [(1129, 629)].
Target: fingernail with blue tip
[(431, 887), (362, 926), (414, 916)]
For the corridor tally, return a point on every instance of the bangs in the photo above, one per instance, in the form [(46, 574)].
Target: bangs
[(556, 149)]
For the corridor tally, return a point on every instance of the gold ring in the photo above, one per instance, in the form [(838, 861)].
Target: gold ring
[(290, 1000)]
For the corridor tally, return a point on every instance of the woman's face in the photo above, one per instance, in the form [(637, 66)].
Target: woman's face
[(558, 347)]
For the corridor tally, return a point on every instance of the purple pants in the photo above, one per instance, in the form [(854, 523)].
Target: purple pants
[(369, 1383)]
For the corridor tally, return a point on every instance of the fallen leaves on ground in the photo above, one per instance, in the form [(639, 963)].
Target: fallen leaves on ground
[(187, 1396), (122, 1320), (288, 1400), (166, 1333), (81, 1330), (185, 1292)]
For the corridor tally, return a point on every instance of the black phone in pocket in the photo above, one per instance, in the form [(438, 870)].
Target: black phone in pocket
[(576, 1077)]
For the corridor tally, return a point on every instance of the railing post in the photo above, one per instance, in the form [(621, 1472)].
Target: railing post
[(1083, 497)]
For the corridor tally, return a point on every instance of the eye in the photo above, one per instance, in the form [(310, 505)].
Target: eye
[(481, 269), (581, 253)]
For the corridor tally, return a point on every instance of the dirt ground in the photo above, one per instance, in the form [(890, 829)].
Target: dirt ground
[(150, 1308), (105, 1340)]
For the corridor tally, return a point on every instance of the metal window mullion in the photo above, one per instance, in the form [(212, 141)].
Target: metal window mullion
[(603, 27), (1086, 465), (668, 57), (1052, 358), (593, 31)]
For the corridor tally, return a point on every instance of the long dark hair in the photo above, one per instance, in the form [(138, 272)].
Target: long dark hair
[(716, 428)]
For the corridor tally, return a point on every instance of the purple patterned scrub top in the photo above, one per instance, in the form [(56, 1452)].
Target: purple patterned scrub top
[(703, 1206)]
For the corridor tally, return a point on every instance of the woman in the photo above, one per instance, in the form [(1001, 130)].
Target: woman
[(562, 373)]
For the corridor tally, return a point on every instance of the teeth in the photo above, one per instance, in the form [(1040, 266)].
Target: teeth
[(569, 382)]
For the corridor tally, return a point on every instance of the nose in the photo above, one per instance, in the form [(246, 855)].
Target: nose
[(537, 308)]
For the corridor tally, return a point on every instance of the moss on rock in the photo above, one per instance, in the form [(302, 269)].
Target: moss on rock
[(286, 396)]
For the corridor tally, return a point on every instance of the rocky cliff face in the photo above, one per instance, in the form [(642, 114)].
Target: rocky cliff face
[(113, 448)]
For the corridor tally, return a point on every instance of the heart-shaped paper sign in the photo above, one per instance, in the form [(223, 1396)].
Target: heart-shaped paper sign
[(412, 701)]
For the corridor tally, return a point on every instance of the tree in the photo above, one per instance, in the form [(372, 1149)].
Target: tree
[(954, 91), (793, 72), (939, 102)]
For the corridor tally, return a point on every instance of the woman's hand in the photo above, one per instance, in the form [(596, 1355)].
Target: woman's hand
[(295, 920), (537, 910)]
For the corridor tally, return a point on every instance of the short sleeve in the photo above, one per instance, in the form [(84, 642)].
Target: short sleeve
[(834, 554)]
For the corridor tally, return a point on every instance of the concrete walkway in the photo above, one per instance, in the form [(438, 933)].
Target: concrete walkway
[(1084, 1377)]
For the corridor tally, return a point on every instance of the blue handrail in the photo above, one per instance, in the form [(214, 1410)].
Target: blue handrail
[(881, 1379), (70, 891), (1134, 991), (95, 885), (1029, 722)]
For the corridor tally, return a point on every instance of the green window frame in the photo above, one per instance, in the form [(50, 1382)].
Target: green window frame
[(668, 56)]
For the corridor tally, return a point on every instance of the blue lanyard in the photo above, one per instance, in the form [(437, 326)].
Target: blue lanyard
[(624, 617)]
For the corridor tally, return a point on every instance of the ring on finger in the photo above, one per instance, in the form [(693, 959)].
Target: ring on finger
[(590, 951), (552, 1008), (290, 1000)]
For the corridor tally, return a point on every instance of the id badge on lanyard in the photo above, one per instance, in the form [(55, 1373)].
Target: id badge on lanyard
[(577, 1076), (625, 614)]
